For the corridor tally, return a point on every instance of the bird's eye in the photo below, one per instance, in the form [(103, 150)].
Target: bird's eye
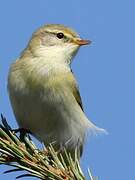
[(60, 35)]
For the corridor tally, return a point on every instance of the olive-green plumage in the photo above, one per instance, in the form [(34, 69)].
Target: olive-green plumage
[(44, 93)]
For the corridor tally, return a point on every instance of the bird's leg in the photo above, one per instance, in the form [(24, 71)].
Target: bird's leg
[(61, 149), (68, 141), (23, 132), (63, 146)]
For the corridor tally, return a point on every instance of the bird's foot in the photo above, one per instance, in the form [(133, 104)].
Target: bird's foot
[(23, 132)]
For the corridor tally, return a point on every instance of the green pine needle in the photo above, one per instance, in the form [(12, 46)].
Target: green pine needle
[(44, 164)]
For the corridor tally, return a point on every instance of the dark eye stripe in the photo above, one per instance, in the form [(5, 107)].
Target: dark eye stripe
[(56, 34)]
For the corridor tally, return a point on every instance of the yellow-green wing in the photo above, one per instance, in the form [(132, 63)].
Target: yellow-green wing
[(76, 94), (77, 97)]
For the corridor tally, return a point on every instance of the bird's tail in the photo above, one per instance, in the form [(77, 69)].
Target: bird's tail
[(92, 129)]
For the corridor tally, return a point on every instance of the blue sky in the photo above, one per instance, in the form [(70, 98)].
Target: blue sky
[(105, 72)]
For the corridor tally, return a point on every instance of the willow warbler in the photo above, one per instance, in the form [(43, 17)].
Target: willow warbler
[(43, 90)]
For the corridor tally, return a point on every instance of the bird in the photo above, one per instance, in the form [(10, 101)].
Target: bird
[(44, 92)]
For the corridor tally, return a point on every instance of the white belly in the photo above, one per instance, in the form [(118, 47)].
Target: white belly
[(48, 115)]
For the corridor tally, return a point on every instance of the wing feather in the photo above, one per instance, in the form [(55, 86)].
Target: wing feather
[(76, 93)]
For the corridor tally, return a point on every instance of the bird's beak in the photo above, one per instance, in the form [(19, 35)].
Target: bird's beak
[(81, 42)]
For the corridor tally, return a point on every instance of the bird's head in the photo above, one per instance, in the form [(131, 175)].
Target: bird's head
[(56, 41)]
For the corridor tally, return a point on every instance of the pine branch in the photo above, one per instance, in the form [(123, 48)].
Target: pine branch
[(43, 164)]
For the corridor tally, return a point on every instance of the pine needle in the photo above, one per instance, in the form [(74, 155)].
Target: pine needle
[(43, 164)]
